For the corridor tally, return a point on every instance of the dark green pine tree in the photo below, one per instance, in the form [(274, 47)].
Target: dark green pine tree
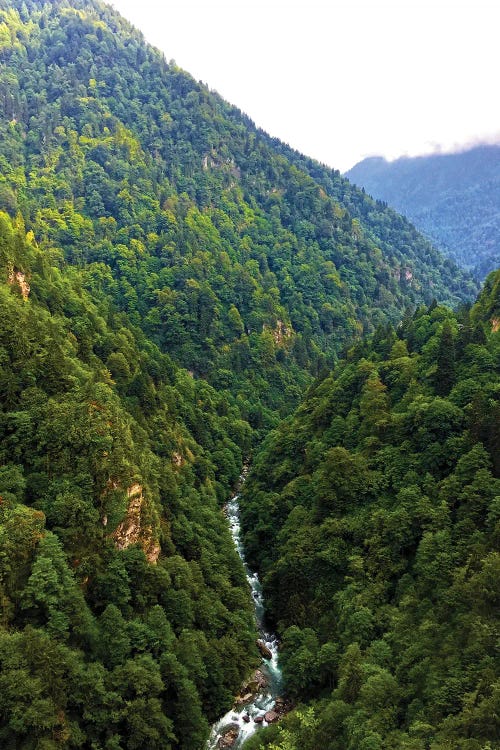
[(445, 370)]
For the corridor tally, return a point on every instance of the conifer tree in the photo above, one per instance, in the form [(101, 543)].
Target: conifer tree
[(445, 363)]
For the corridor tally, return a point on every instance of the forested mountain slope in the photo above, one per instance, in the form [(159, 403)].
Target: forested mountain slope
[(373, 514), (223, 245), (171, 280), (124, 612), (452, 198)]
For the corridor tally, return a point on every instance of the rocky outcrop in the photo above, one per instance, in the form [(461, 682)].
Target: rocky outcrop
[(182, 455), (408, 275), (213, 160), (132, 531), (495, 325), (19, 278), (229, 736), (259, 679), (249, 689), (280, 332)]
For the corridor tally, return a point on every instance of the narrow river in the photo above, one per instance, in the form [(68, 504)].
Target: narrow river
[(248, 717)]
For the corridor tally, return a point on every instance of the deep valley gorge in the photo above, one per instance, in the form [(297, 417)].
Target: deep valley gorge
[(183, 296)]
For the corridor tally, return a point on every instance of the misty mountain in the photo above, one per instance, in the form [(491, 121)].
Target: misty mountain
[(452, 198)]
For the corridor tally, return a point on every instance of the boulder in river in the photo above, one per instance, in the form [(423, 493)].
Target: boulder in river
[(246, 718), (229, 736), (282, 706), (254, 685), (265, 652), (259, 719), (271, 716)]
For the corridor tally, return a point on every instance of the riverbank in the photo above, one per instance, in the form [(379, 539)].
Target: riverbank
[(259, 702)]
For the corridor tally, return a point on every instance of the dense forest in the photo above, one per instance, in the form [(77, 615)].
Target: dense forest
[(373, 516), (251, 265), (172, 281), (451, 198), (124, 609)]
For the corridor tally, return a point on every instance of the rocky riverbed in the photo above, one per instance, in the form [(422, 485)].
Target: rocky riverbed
[(259, 701)]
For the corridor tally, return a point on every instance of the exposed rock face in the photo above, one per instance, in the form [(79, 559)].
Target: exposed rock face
[(182, 455), (19, 278), (280, 333), (408, 275), (152, 552), (130, 530), (213, 160), (264, 650), (495, 325)]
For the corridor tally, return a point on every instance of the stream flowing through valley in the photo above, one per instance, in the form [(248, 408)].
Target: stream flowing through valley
[(246, 717)]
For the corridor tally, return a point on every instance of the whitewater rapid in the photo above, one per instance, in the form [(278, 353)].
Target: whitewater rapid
[(265, 700)]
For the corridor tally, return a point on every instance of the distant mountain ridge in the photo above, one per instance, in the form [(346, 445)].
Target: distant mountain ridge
[(452, 198)]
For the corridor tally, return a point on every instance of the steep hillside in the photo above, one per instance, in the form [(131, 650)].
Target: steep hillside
[(452, 198), (171, 281), (124, 612), (228, 249), (373, 515)]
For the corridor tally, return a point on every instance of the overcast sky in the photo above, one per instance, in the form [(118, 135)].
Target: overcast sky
[(344, 79)]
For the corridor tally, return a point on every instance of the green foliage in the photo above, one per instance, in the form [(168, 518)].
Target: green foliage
[(114, 553), (250, 264), (378, 540), (171, 280)]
